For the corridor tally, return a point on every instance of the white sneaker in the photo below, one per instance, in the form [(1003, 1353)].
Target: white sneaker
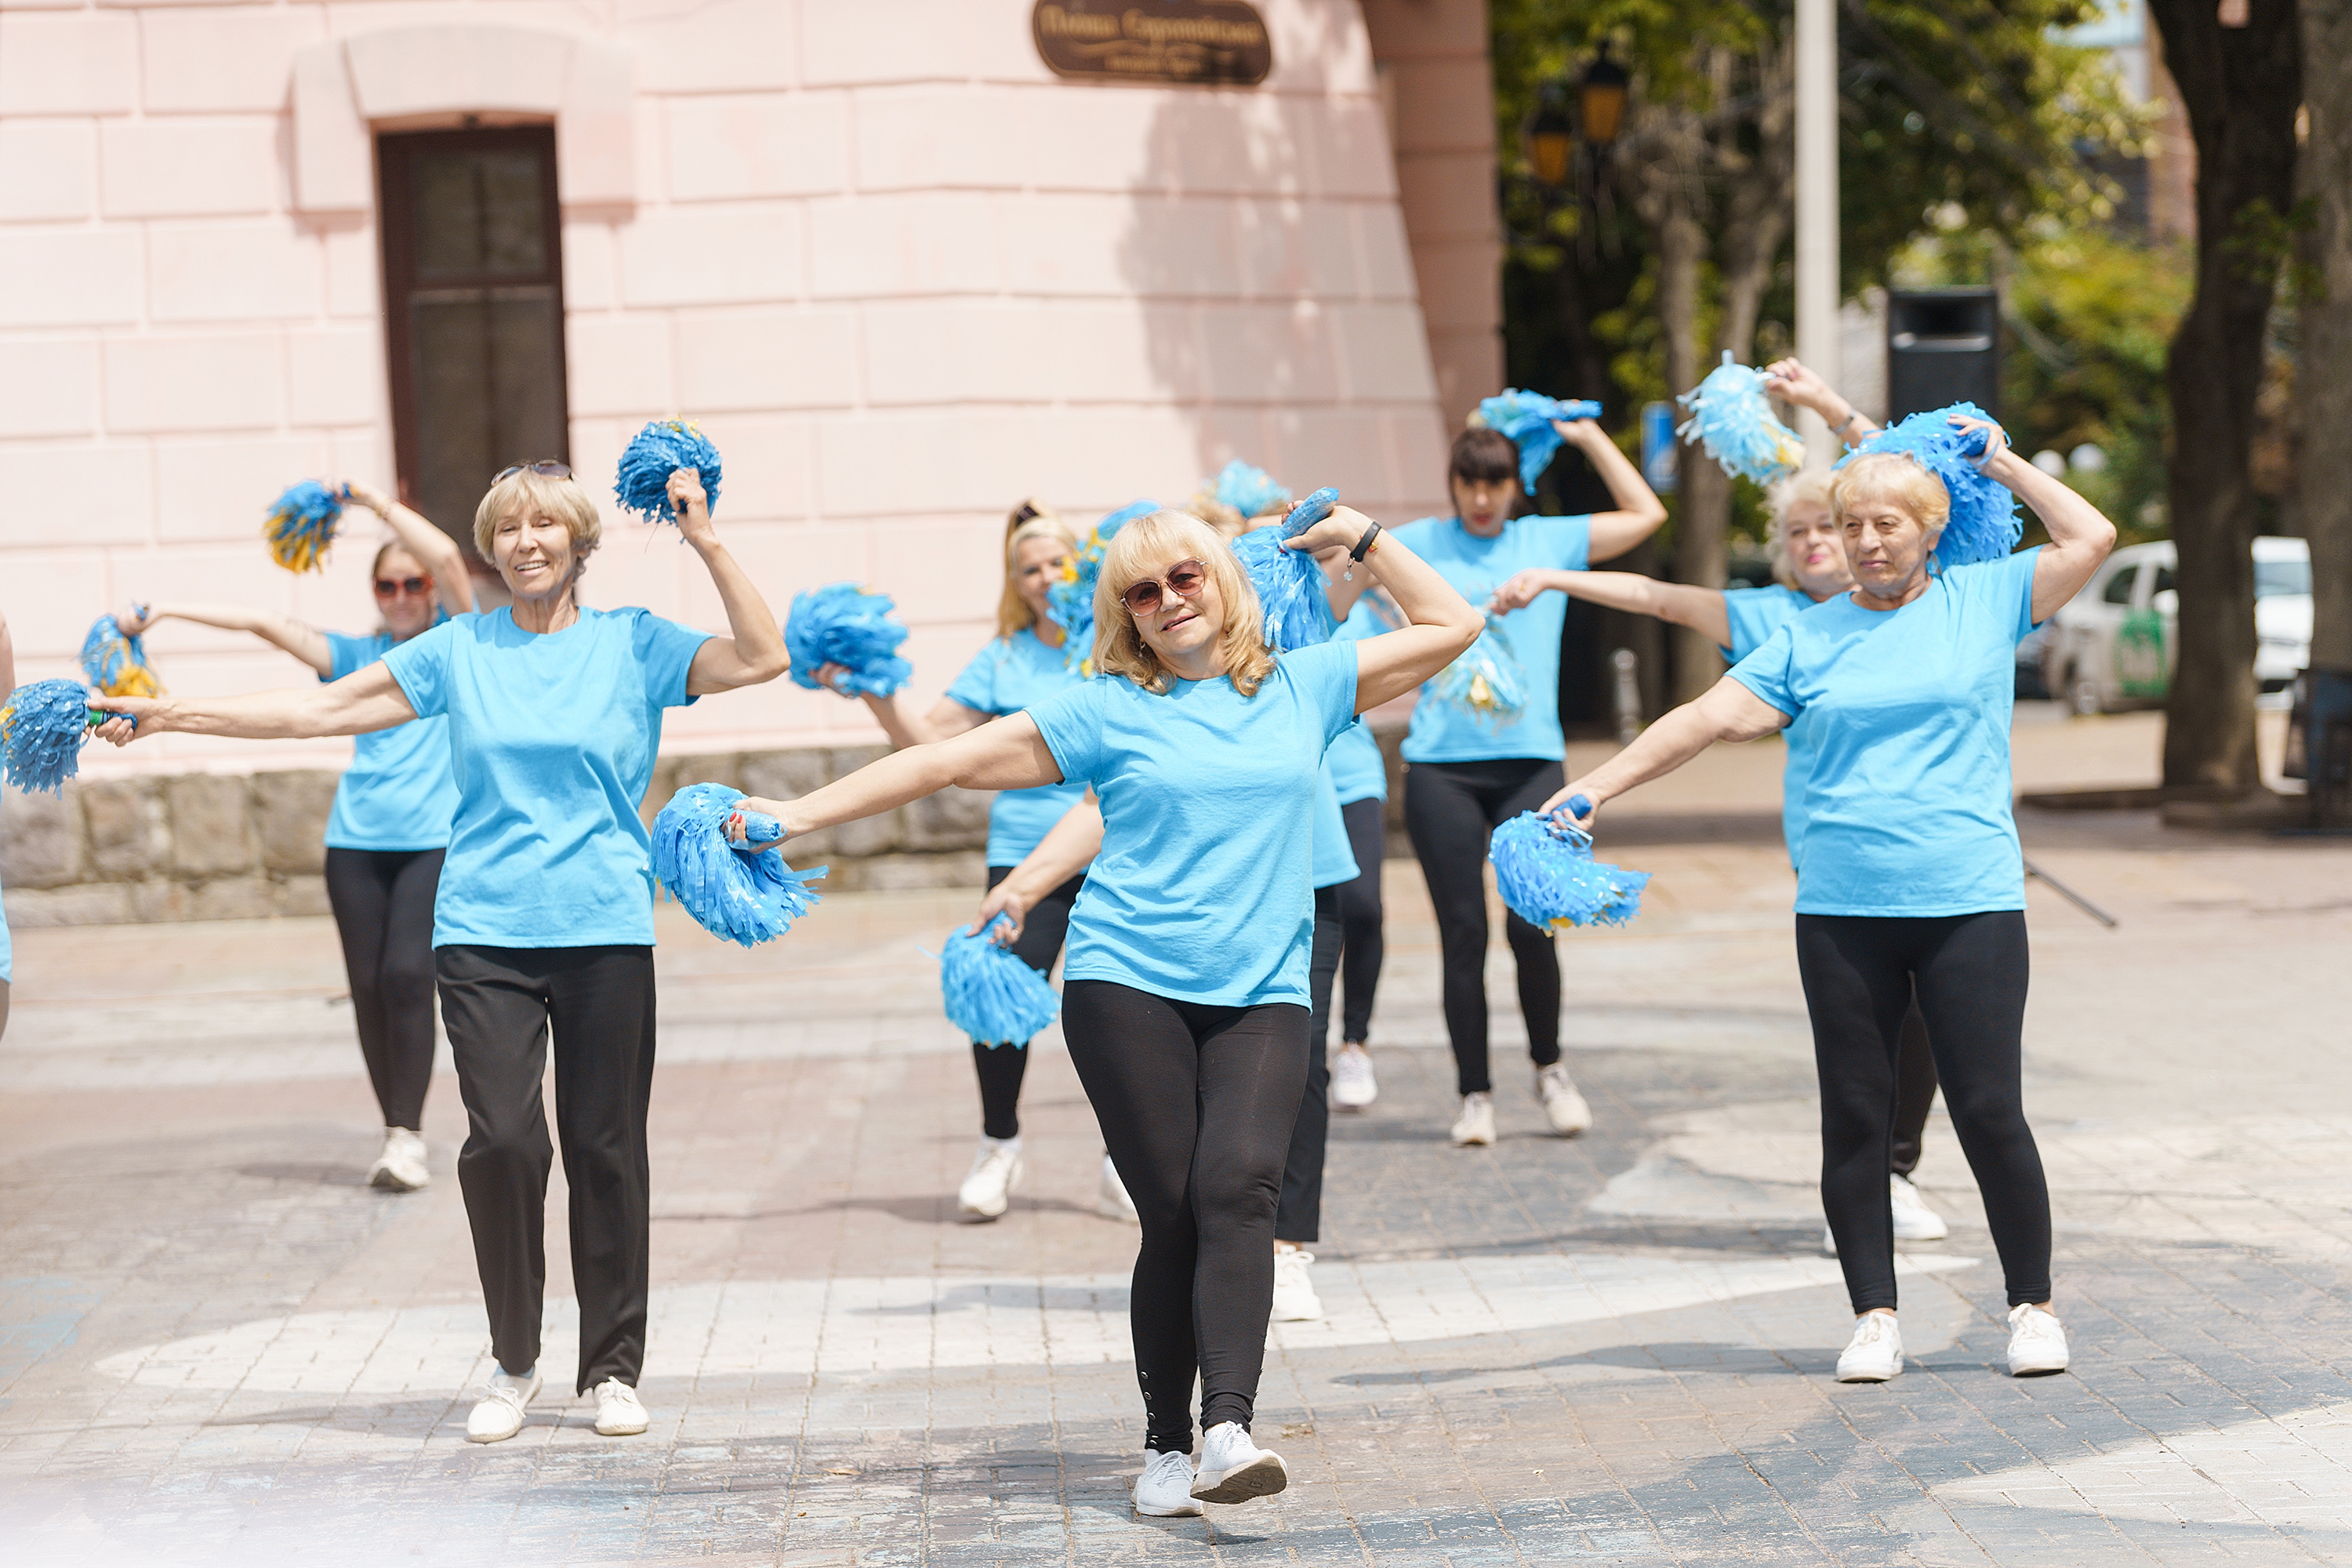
[(499, 1414), (1353, 1085), (619, 1412), (996, 1172), (1234, 1470), (1563, 1107), (401, 1167), (1914, 1220), (1476, 1127), (2037, 1342), (1875, 1352), (1164, 1489), (1294, 1301), (1111, 1201)]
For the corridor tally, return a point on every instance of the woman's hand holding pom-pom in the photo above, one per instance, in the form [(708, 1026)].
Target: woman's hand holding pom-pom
[(1001, 901), (1519, 591), (687, 499)]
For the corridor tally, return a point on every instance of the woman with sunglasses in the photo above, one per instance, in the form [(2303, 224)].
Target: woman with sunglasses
[(390, 825), (1023, 664), (543, 923), (1184, 997)]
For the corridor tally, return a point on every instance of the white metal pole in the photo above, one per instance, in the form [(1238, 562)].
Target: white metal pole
[(1817, 208)]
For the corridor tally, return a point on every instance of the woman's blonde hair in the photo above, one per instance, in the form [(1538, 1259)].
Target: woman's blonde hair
[(1897, 477), (1812, 485), (1140, 550), (1013, 614), (565, 499)]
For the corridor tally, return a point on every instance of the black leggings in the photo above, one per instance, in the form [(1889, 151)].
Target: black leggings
[(1915, 1093), (1451, 809), (1000, 1066), (1299, 1216), (382, 901), (1970, 974), (1361, 945), (1196, 1104)]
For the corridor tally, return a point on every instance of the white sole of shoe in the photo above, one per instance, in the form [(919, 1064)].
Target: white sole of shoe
[(474, 1436), (1262, 1476), (1872, 1375), (2044, 1368), (625, 1429), (1189, 1509)]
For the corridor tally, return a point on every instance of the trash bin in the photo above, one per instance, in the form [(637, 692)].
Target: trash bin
[(1942, 346), (2328, 746)]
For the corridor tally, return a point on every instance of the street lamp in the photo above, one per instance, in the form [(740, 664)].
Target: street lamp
[(1552, 139), (1601, 98)]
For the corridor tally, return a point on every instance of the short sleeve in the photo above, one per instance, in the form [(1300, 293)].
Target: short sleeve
[(1565, 543), (665, 650), (1325, 675), (346, 654), (2018, 581), (421, 667), (975, 687), (1071, 720), (1768, 672)]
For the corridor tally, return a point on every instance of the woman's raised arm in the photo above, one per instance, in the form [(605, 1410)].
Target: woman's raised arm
[(306, 643), (1441, 624), (434, 551), (365, 700), (754, 653)]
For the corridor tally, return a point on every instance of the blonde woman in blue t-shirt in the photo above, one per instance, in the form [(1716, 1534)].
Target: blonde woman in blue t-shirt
[(389, 829)]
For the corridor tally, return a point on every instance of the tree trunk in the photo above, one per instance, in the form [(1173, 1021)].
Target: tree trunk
[(2322, 376), (2241, 87), (1701, 488)]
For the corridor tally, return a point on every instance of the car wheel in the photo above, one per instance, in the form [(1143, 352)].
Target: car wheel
[(2082, 694)]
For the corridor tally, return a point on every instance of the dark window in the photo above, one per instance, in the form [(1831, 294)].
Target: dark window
[(2119, 586), (473, 273)]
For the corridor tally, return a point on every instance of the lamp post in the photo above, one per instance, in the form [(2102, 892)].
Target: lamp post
[(1817, 210), (1601, 98), (1551, 140)]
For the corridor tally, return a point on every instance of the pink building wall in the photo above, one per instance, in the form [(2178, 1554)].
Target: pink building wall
[(902, 274)]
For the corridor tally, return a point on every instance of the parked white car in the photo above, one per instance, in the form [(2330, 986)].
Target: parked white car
[(2114, 646)]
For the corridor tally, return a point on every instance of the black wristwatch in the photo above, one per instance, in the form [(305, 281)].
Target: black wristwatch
[(1363, 548)]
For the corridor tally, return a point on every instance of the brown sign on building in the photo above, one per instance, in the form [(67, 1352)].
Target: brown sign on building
[(1191, 43)]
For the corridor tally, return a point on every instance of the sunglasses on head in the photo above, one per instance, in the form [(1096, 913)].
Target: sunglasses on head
[(1185, 580), (549, 469), (391, 587)]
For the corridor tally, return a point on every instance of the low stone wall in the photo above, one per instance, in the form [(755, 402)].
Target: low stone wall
[(202, 846)]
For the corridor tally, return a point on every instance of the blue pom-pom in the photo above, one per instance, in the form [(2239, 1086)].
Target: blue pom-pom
[(1731, 413), (302, 524), (655, 452), (1486, 682), (1251, 491), (992, 995), (745, 894), (1070, 603), (1984, 524), (117, 664), (1545, 870), (41, 732), (844, 624), (1291, 589), (1527, 418)]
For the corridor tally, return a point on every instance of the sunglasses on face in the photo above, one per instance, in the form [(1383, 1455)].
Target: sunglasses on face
[(392, 588), (549, 469), (1185, 580)]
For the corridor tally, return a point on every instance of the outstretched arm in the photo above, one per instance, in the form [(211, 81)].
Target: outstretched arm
[(1007, 755), (362, 701), (434, 551), (1701, 609), (1727, 712), (306, 643), (1639, 510), (754, 654), (1441, 624), (1067, 849)]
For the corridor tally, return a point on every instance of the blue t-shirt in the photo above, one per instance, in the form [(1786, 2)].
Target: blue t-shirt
[(551, 738), (1203, 887), (1755, 613), (1357, 770), (1335, 860), (1476, 567), (1010, 676), (1907, 807), (398, 793)]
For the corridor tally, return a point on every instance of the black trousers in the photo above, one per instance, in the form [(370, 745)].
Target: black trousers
[(1001, 1067), (1299, 1215), (1451, 809), (1915, 1093), (498, 1005), (1196, 1105), (1361, 944), (382, 901), (1968, 974)]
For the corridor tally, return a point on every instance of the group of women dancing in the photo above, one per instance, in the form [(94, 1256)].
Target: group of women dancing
[(1193, 822)]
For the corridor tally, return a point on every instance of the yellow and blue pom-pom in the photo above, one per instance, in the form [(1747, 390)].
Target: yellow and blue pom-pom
[(1249, 490), (1070, 603), (1733, 417), (1984, 524), (992, 995), (655, 452), (302, 524), (844, 624), (1545, 870), (1527, 418), (41, 732), (117, 664), (745, 894), (1486, 682), (1291, 589)]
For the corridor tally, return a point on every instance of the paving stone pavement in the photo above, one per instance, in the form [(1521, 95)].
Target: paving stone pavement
[(216, 1346)]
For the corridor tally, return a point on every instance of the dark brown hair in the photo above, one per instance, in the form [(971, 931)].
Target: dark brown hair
[(1483, 454)]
